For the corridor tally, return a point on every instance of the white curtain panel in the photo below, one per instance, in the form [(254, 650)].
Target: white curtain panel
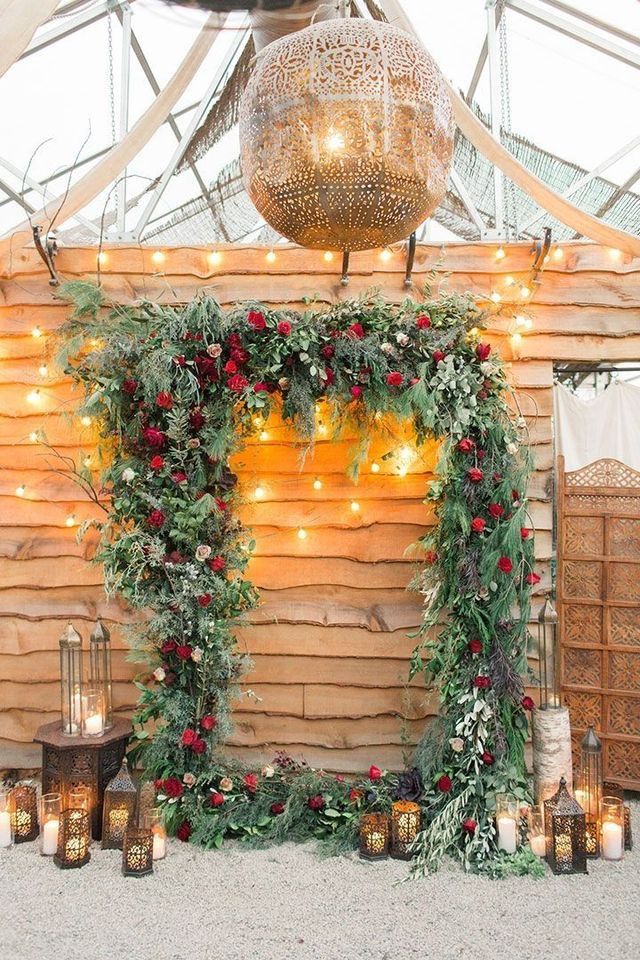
[(606, 427)]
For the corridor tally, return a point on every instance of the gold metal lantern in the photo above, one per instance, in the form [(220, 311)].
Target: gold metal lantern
[(346, 135)]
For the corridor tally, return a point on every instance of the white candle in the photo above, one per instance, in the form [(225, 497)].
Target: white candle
[(612, 840), (5, 829), (538, 845), (93, 725), (159, 847), (50, 837), (507, 834)]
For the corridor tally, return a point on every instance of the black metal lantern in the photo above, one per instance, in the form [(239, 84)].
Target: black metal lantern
[(74, 839), (24, 813), (119, 808), (137, 852), (405, 826), (567, 848), (100, 668), (374, 836), (589, 790)]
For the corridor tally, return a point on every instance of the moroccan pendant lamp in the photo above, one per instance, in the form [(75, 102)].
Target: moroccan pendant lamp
[(346, 135)]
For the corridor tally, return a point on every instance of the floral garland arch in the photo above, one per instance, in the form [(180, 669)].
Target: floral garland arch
[(176, 391)]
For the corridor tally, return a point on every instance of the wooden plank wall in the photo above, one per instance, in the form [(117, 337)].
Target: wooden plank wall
[(329, 642)]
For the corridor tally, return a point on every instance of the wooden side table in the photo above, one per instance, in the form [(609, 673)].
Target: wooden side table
[(89, 762)]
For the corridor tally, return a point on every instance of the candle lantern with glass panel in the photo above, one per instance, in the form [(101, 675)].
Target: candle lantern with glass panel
[(589, 790), (119, 808), (566, 832)]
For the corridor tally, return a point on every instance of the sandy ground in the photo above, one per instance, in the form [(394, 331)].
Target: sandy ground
[(285, 902)]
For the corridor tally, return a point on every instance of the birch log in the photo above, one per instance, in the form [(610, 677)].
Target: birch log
[(551, 751)]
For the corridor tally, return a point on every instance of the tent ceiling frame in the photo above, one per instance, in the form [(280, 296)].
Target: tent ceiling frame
[(67, 27), (44, 193)]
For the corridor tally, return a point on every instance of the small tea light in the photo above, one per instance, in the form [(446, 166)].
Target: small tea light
[(74, 839), (507, 810), (405, 826), (375, 467), (154, 821), (137, 852), (24, 813), (317, 484), (214, 258), (374, 836), (612, 828), (50, 808), (6, 826)]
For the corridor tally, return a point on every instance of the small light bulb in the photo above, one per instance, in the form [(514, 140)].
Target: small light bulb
[(615, 254), (264, 435), (87, 461), (524, 291), (33, 396), (258, 421), (70, 521), (328, 256), (355, 506), (322, 430), (375, 467), (158, 256), (386, 254), (402, 470), (102, 258), (474, 332), (214, 258), (271, 257), (43, 370), (317, 484), (85, 421), (495, 296), (521, 321), (36, 332), (21, 490), (500, 253), (334, 141), (302, 533), (528, 323), (509, 281), (258, 493), (33, 436), (317, 408), (558, 253), (516, 339)]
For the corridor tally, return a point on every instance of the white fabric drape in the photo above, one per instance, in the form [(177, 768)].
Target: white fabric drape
[(606, 427)]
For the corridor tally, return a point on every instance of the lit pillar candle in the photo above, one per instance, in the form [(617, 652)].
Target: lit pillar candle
[(50, 837), (538, 845), (93, 725), (159, 847), (507, 834), (5, 828), (612, 840)]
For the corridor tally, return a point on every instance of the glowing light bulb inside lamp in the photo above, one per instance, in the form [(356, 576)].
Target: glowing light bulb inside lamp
[(558, 253), (386, 254), (264, 435), (158, 257), (375, 467), (334, 141), (36, 332), (271, 257), (258, 492), (328, 256), (43, 370), (317, 484), (214, 258), (71, 520), (500, 253), (34, 397), (355, 506), (85, 421), (302, 533), (495, 296), (21, 490)]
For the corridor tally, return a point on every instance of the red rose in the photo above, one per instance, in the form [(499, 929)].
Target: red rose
[(478, 525), (284, 327), (155, 438), (423, 322), (469, 826), (481, 454), (250, 781), (239, 355), (220, 504), (328, 351), (230, 367), (198, 745), (355, 795), (181, 360), (515, 495), (466, 445), (475, 475), (196, 419), (164, 400), (237, 383), (208, 722), (217, 564), (217, 799), (497, 478), (475, 645), (184, 651), (188, 738), (156, 519), (168, 647), (438, 355), (375, 773), (256, 320), (395, 378), (444, 784), (495, 510), (260, 387), (329, 376), (505, 565), (170, 678), (532, 579), (483, 350), (356, 392), (431, 557), (234, 340), (277, 809), (156, 463), (184, 831), (207, 367), (204, 599), (525, 532), (157, 785), (316, 803), (178, 476), (482, 682), (488, 758), (355, 331), (130, 387), (527, 703), (173, 787)]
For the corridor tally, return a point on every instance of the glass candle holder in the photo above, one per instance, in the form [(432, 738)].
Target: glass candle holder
[(537, 839), (612, 837), (6, 824), (74, 839), (24, 813), (507, 815), (628, 836), (137, 852), (100, 668), (49, 809), (71, 682), (92, 712), (154, 821), (405, 826), (374, 836)]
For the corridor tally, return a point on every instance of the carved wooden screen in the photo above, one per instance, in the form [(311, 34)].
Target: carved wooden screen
[(599, 609)]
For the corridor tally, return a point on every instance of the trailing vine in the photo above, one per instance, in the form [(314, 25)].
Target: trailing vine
[(176, 392)]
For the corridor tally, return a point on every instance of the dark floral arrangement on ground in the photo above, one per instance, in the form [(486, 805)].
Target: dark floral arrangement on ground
[(176, 391)]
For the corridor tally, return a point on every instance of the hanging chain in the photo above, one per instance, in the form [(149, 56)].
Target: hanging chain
[(112, 91), (505, 100)]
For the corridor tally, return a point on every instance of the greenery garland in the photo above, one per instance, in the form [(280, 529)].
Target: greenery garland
[(176, 391)]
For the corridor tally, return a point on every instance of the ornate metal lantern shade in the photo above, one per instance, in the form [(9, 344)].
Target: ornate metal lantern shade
[(74, 839), (567, 847), (589, 790), (405, 826), (100, 668), (137, 852), (346, 135), (119, 808), (548, 670), (71, 681), (24, 813), (374, 836)]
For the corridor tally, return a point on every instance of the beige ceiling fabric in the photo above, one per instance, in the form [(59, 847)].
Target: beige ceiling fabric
[(19, 20)]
